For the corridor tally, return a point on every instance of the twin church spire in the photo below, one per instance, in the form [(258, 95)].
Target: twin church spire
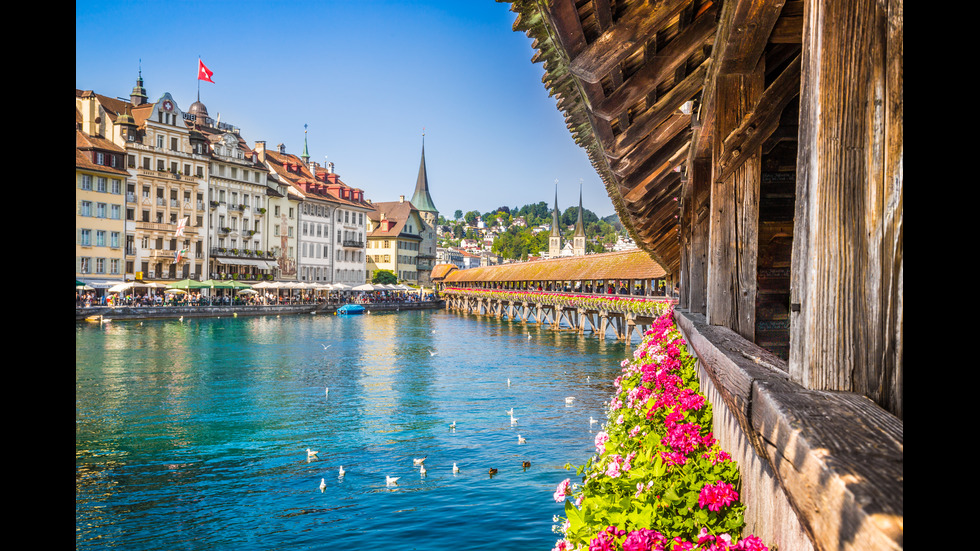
[(555, 241)]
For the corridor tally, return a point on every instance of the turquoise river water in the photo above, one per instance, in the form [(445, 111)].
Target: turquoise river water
[(194, 434)]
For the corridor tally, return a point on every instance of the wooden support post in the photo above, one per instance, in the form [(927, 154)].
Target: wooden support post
[(697, 281), (734, 213), (846, 314)]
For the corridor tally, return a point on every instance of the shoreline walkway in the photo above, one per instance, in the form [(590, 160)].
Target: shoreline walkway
[(168, 312)]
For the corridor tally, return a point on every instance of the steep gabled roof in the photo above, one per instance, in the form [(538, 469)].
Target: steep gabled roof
[(396, 214)]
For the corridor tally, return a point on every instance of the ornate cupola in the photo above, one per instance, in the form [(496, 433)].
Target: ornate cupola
[(138, 95), (128, 129)]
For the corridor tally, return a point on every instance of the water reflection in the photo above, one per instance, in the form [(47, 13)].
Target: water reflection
[(182, 427)]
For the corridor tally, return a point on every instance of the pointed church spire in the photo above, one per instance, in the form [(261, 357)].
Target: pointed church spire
[(306, 149), (421, 199), (556, 216)]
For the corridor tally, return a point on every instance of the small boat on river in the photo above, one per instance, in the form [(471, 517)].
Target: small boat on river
[(350, 309)]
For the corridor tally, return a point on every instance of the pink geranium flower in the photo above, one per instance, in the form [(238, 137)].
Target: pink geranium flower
[(600, 442), (562, 491), (715, 496)]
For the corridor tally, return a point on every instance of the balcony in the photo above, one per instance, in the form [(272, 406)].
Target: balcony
[(354, 243)]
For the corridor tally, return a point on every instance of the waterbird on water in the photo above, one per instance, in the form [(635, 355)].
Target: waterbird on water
[(391, 480), (592, 421), (492, 472), (311, 454), (342, 471), (323, 484), (511, 412), (453, 426), (526, 464), (521, 440), (418, 461), (569, 400), (422, 470), (455, 469)]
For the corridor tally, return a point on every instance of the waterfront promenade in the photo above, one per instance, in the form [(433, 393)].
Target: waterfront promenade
[(227, 310)]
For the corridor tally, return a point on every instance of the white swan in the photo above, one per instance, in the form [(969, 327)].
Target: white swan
[(455, 469), (342, 471), (323, 484)]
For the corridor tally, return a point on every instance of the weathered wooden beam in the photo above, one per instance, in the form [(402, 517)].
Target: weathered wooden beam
[(789, 27), (752, 23), (665, 107), (847, 279), (661, 66), (734, 214), (671, 155), (623, 38), (762, 122), (675, 124), (700, 178)]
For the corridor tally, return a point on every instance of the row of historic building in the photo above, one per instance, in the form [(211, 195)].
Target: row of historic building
[(164, 194)]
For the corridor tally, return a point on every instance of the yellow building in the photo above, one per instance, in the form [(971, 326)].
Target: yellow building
[(395, 235), (99, 211)]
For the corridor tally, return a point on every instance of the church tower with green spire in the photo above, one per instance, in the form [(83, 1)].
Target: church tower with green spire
[(422, 201)]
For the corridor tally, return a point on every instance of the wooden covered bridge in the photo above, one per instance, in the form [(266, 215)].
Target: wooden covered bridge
[(754, 149), (621, 291)]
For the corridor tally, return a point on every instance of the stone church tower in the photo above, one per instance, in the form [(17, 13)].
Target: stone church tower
[(555, 241), (578, 239), (422, 201)]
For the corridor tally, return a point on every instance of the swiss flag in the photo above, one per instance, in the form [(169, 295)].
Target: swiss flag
[(203, 73)]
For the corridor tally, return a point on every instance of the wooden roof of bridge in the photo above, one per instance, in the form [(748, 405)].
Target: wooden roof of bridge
[(632, 264), (623, 72)]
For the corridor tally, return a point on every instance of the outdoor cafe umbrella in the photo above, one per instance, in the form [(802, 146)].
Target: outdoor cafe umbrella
[(187, 284)]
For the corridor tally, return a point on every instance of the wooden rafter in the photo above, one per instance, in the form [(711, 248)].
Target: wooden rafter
[(623, 38), (660, 67)]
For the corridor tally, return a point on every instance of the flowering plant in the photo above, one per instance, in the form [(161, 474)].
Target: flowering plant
[(613, 303), (658, 480)]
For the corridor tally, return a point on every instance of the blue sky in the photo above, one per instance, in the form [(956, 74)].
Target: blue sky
[(366, 77)]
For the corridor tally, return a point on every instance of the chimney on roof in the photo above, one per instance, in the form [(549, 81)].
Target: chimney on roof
[(282, 148), (401, 198), (260, 150), (330, 167)]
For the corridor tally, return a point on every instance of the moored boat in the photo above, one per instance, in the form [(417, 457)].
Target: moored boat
[(350, 309)]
